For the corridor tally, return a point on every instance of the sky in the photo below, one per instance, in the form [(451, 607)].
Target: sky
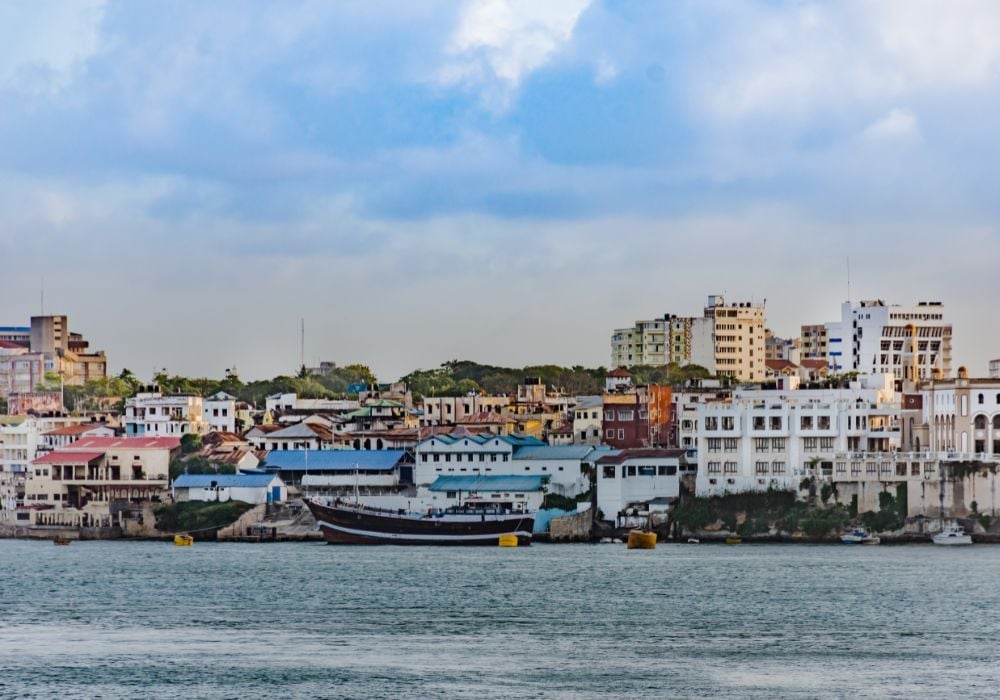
[(503, 181)]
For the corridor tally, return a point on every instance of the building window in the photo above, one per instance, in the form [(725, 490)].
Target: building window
[(775, 422), (608, 472), (729, 444), (714, 467), (731, 467), (778, 444), (778, 467), (761, 467), (870, 468), (711, 423), (809, 444), (609, 434), (609, 415), (714, 444), (826, 444), (762, 444), (626, 415), (621, 434)]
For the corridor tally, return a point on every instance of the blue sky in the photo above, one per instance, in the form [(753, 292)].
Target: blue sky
[(499, 180)]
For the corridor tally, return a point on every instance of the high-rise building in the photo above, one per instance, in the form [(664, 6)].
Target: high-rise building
[(908, 342), (813, 342), (727, 339), (28, 353)]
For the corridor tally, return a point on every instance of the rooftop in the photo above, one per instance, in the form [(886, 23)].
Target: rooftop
[(125, 443), (196, 481), (65, 457), (619, 456), (472, 484), (333, 460), (77, 429)]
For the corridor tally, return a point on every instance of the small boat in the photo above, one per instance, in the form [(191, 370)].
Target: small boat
[(62, 541), (641, 539), (859, 536), (693, 540), (952, 535), (734, 540), (183, 540)]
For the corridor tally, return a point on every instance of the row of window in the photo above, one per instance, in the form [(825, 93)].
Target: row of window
[(610, 471), (489, 469), (436, 457)]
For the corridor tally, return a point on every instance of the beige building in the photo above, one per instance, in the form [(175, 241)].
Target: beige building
[(92, 481), (728, 339), (814, 341), (47, 346), (739, 339)]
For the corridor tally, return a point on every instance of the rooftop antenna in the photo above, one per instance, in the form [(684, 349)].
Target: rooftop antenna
[(848, 279), (302, 346)]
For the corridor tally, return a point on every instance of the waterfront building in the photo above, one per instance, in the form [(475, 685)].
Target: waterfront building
[(95, 480), (770, 439), (513, 492), (248, 488), (908, 342), (640, 479), (151, 413), (22, 439), (339, 472)]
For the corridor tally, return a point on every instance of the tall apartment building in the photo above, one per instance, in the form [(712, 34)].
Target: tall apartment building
[(813, 342), (28, 353), (727, 339), (873, 337)]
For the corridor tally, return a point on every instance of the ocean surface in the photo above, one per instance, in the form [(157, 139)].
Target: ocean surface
[(150, 620)]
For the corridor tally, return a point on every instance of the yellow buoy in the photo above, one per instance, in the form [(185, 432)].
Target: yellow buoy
[(734, 540), (641, 539), (508, 540), (183, 540)]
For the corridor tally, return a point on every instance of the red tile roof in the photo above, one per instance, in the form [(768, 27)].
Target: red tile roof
[(126, 443), (619, 372), (66, 457), (11, 345), (780, 365), (814, 364), (484, 417)]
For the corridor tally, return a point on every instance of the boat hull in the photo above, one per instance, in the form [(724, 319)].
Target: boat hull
[(354, 525), (953, 541)]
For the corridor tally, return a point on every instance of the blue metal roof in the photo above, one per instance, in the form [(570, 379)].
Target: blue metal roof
[(225, 481), (333, 460), (15, 329), (490, 483)]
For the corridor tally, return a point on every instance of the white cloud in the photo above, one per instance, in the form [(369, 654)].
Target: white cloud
[(796, 64), (42, 42), (605, 71), (897, 125), (498, 42)]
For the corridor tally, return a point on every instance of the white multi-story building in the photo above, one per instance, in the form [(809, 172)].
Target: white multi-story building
[(875, 338), (220, 412), (20, 443), (152, 414), (626, 478), (771, 439)]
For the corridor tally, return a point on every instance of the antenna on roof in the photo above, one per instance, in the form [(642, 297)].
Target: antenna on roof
[(848, 279), (302, 346)]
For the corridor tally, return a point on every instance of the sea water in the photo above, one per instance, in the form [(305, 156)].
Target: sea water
[(150, 620)]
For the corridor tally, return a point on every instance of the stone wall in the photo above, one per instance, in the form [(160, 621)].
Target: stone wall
[(572, 528)]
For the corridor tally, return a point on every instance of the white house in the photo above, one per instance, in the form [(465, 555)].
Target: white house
[(587, 420), (152, 414), (515, 493), (249, 488), (647, 477), (220, 412), (463, 452)]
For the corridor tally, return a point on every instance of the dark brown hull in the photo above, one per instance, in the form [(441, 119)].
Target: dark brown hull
[(351, 525)]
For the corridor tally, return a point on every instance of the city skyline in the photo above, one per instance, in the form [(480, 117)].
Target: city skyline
[(492, 181)]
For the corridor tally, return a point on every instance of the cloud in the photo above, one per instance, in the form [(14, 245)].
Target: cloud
[(498, 42), (897, 125), (44, 42)]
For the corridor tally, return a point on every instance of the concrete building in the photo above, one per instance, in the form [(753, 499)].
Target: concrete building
[(516, 493), (638, 417), (219, 413), (21, 441), (453, 410), (771, 439), (627, 479), (313, 433), (813, 342), (248, 488), (46, 346), (92, 482), (873, 337), (153, 414), (588, 420), (728, 339)]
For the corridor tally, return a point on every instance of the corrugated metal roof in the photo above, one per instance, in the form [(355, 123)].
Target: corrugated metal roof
[(333, 460), (572, 452), (126, 443), (515, 440), (499, 482), (225, 481)]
